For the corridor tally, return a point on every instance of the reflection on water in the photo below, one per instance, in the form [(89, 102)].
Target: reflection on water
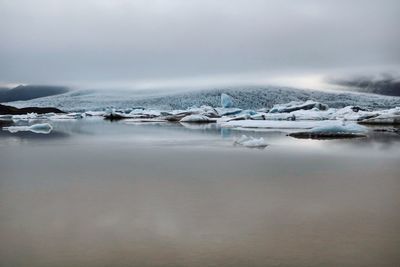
[(94, 193)]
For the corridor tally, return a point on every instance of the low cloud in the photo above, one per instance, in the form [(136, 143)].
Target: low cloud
[(384, 83), (112, 41)]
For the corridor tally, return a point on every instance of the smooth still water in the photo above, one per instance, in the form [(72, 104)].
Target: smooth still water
[(95, 193)]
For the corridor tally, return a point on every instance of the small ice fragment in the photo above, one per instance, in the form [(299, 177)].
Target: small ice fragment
[(340, 128), (42, 128), (196, 118), (249, 141)]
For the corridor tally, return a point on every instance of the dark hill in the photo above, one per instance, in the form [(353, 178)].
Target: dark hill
[(27, 92), (9, 110)]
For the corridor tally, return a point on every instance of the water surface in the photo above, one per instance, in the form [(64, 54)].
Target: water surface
[(95, 193)]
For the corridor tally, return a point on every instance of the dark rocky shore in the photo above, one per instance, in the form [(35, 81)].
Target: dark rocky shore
[(9, 110)]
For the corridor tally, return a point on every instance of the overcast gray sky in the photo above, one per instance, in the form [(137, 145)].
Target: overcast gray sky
[(157, 42)]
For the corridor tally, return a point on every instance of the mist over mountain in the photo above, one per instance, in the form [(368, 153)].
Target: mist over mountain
[(27, 92), (384, 84)]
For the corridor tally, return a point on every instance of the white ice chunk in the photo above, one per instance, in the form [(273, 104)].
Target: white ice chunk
[(95, 113), (43, 128), (333, 129), (228, 111), (313, 114), (272, 124), (389, 116), (351, 113), (140, 120), (336, 127), (296, 105), (69, 116), (196, 118), (150, 112), (249, 141), (28, 116), (275, 116)]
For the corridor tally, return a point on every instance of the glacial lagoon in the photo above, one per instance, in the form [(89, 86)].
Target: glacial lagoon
[(99, 193)]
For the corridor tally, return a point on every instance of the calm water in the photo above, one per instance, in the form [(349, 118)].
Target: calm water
[(94, 193)]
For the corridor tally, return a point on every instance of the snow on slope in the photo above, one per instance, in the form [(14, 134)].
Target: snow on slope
[(245, 98)]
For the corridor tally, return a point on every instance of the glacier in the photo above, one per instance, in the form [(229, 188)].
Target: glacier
[(253, 98)]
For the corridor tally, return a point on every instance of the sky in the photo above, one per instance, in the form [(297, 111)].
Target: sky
[(155, 43)]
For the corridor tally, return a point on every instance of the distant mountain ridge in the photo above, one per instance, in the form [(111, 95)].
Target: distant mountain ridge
[(28, 92)]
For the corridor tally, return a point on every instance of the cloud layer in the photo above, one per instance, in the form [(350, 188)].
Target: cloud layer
[(74, 41)]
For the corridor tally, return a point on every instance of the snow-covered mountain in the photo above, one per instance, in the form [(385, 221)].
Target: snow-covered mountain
[(246, 98)]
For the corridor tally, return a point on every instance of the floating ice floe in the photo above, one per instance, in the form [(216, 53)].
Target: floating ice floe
[(197, 118), (42, 128), (29, 116), (176, 117), (295, 105), (228, 111), (155, 120), (226, 101), (146, 112), (333, 129), (68, 116), (133, 114), (351, 113), (249, 141), (382, 119), (272, 124), (95, 113), (389, 116)]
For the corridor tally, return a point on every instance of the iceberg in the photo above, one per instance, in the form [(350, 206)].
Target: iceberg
[(226, 101), (28, 116), (274, 116), (69, 116), (139, 120), (334, 129), (382, 119), (228, 111), (389, 116), (42, 128), (272, 124), (197, 118), (296, 105), (95, 113), (249, 141), (352, 113)]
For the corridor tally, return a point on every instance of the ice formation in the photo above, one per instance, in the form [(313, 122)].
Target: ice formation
[(272, 124), (310, 115), (249, 141), (296, 105), (226, 101), (333, 129), (196, 119), (42, 128), (246, 98), (390, 116)]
